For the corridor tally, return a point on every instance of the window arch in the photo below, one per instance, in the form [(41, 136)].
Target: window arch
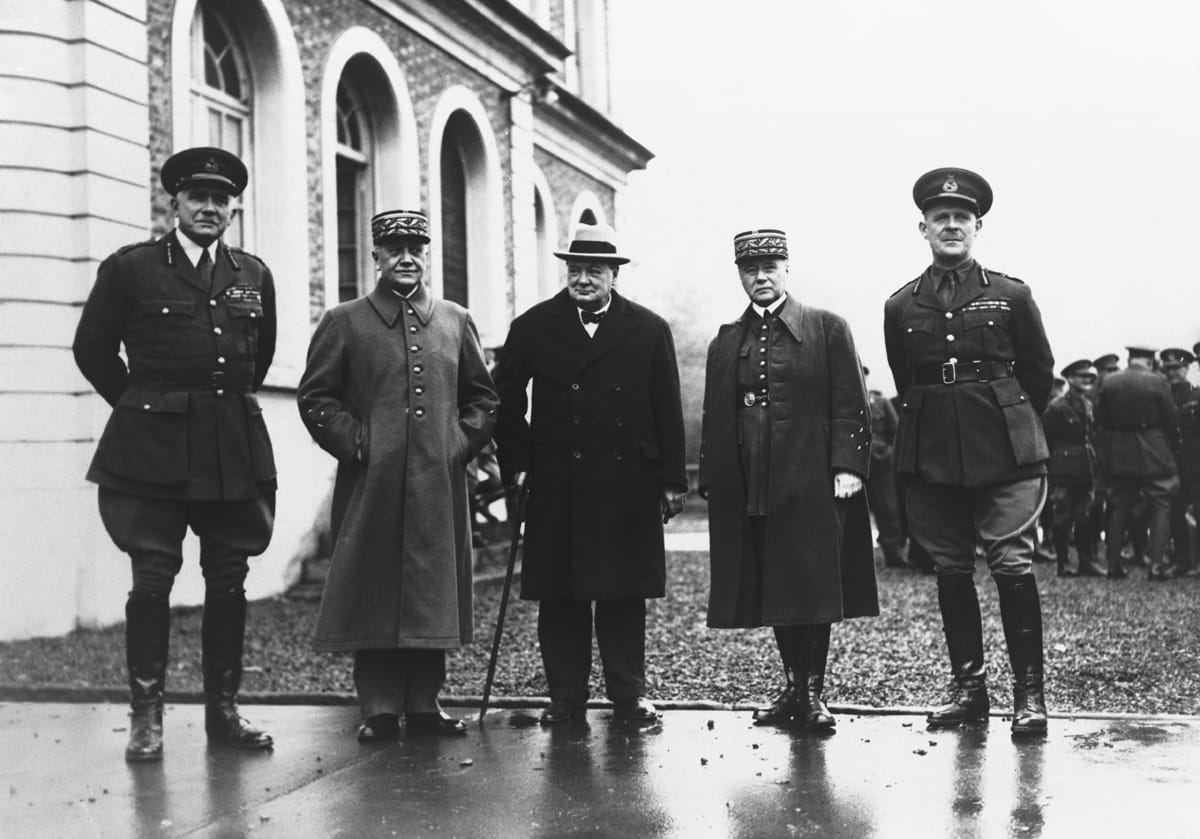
[(355, 191), (222, 90)]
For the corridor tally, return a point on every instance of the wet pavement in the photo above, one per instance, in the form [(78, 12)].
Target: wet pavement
[(699, 774)]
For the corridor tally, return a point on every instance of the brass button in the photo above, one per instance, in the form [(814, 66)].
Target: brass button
[(577, 454), (254, 314), (220, 359), (618, 456), (418, 390), (166, 310), (414, 348), (574, 385), (216, 330), (220, 392), (146, 407), (949, 337), (412, 329), (213, 303), (419, 412), (949, 315), (417, 368)]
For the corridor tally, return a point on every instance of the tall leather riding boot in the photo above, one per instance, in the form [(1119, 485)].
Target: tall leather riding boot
[(1062, 542), (963, 624), (816, 713), (1021, 613), (147, 636), (784, 707), (222, 632), (1086, 549)]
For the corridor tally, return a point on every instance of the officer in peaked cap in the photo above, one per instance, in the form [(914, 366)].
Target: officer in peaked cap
[(972, 363), (1069, 422), (1138, 428), (1175, 363), (186, 444), (790, 547), (1105, 365)]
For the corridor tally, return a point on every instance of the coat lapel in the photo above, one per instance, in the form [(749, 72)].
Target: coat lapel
[(969, 289), (225, 270), (791, 315), (615, 328), (564, 324), (180, 265)]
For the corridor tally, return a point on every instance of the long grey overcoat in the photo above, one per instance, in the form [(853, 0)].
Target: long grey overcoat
[(604, 439), (819, 565), (397, 390)]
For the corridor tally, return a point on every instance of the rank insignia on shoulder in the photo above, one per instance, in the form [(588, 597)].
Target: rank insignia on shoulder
[(243, 294), (994, 304)]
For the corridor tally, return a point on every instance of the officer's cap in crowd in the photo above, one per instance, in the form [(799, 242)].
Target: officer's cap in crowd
[(1196, 349), (1142, 351), (399, 224), (1109, 362), (764, 242), (593, 243), (961, 186), (204, 166), (1082, 367), (1173, 357)]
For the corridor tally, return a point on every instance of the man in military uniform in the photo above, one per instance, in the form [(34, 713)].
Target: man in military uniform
[(1138, 431), (972, 363), (186, 445), (1105, 365), (1175, 364), (881, 480), (1068, 424)]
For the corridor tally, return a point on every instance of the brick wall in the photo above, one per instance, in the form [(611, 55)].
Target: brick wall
[(566, 182)]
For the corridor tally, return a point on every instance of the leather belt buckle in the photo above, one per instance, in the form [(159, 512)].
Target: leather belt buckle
[(949, 373)]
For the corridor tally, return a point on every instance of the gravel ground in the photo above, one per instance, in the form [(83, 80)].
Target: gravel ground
[(1132, 646)]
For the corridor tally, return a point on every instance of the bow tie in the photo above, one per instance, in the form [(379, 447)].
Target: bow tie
[(591, 317)]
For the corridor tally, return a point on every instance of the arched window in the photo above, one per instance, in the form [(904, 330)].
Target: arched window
[(355, 198), (454, 212), (222, 91), (587, 217)]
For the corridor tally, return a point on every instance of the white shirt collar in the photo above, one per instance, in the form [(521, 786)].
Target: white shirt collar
[(194, 250), (601, 310), (773, 308)]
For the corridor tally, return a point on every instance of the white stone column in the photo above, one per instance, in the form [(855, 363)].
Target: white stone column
[(74, 186), (526, 268)]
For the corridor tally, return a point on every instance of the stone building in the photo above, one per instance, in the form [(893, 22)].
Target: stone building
[(492, 115)]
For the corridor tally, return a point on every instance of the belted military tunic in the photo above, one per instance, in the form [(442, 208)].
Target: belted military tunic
[(185, 423), (1068, 425), (974, 377)]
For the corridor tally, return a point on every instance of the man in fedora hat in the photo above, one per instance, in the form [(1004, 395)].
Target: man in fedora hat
[(784, 453), (971, 361), (1137, 434), (603, 455), (396, 388), (185, 445)]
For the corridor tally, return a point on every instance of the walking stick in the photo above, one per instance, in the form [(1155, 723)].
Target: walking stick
[(518, 515)]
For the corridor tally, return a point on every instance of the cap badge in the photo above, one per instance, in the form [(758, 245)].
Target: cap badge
[(950, 185), (210, 165)]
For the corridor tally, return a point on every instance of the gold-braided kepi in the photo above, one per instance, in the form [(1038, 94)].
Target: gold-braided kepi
[(763, 242), (396, 224)]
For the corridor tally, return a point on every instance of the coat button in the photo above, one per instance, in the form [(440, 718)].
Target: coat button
[(166, 310), (414, 348), (420, 412), (418, 390), (949, 337), (220, 392), (991, 323), (619, 423), (577, 454), (254, 314), (220, 359), (909, 329), (618, 457), (417, 368), (617, 387), (213, 303), (412, 329), (574, 385), (216, 330), (949, 316), (146, 407)]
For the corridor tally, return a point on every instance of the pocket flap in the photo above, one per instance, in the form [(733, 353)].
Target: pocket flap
[(1008, 392), (154, 401), (244, 308), (165, 307)]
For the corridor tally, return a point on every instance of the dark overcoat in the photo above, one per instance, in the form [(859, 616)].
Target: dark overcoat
[(1068, 423), (185, 422), (1187, 404), (603, 441), (1138, 425), (397, 390), (819, 565), (970, 433)]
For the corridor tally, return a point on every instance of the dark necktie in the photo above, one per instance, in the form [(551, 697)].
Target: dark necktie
[(205, 269), (947, 288), (591, 317)]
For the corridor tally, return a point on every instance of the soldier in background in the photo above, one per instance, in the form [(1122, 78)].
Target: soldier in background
[(1068, 423), (1105, 365), (186, 445), (881, 480), (1138, 428), (1175, 364)]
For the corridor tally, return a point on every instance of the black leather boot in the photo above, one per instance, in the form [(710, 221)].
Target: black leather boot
[(1086, 549), (1062, 542), (784, 707), (222, 632), (147, 636), (968, 701), (814, 713), (1021, 613)]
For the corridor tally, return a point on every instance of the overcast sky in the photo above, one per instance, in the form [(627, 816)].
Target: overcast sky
[(817, 118)]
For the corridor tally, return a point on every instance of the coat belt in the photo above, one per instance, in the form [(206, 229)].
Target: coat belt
[(953, 372)]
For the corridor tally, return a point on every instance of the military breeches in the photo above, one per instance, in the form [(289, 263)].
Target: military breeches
[(1123, 495), (950, 521), (1072, 505), (151, 531)]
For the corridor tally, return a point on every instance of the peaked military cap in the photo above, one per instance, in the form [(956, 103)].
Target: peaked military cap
[(1175, 357), (1196, 349), (1108, 361), (1082, 367), (397, 224), (1142, 351), (961, 186), (766, 241), (593, 243), (204, 166)]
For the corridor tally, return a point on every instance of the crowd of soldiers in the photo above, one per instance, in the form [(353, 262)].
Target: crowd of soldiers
[(1124, 470)]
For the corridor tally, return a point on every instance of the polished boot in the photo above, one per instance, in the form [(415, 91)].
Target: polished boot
[(787, 703), (1021, 614), (147, 634), (814, 713), (963, 625), (222, 632), (1062, 541), (1086, 549)]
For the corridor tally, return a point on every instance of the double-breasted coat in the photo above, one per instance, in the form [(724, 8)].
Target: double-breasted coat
[(969, 433), (819, 562), (185, 422), (397, 390), (603, 440), (1137, 425)]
